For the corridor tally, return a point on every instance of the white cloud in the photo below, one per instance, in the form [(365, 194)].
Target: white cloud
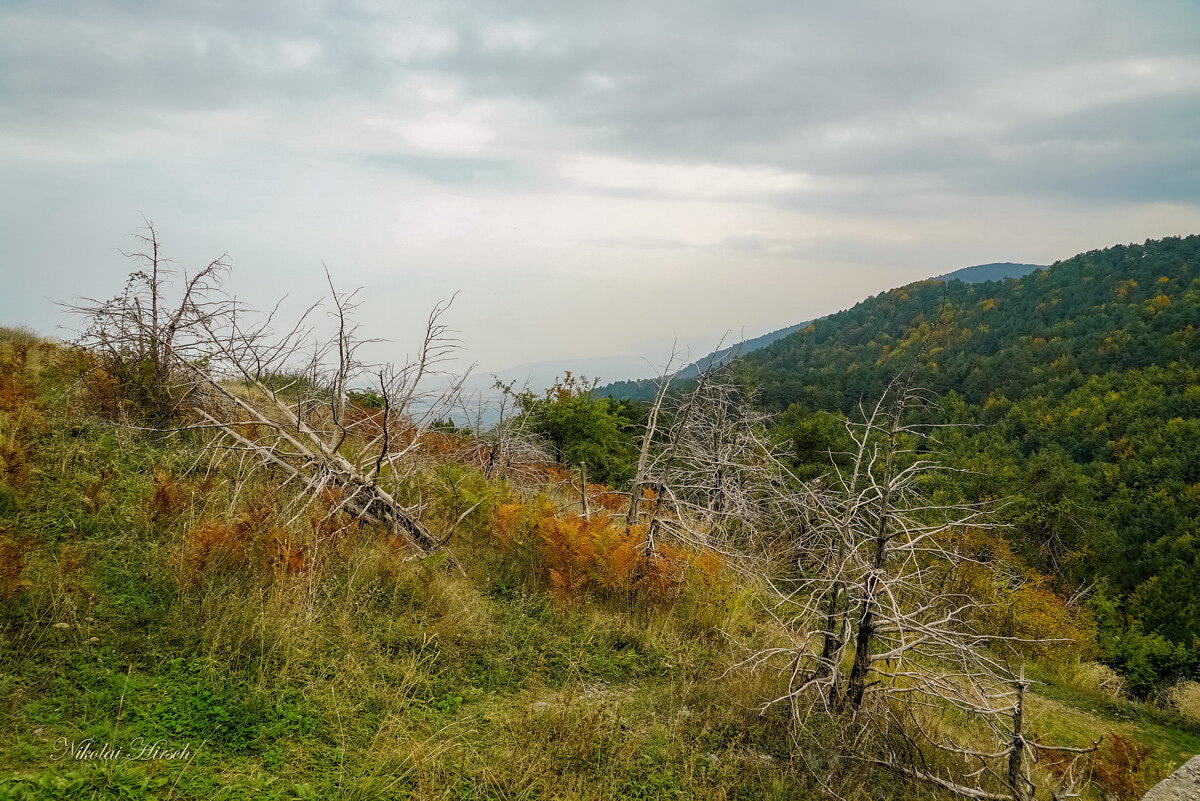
[(702, 181), (439, 132)]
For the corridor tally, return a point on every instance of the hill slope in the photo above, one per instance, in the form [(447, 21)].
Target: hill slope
[(148, 598), (1123, 308), (732, 352), (643, 389)]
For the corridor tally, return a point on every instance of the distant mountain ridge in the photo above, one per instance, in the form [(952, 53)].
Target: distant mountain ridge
[(643, 388), (996, 271), (733, 351)]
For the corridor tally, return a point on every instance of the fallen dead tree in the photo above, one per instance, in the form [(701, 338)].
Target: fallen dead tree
[(286, 399)]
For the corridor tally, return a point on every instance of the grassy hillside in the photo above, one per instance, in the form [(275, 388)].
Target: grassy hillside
[(141, 602), (149, 599)]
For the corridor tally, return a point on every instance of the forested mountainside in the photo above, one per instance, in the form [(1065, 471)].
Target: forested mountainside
[(1082, 387), (643, 389)]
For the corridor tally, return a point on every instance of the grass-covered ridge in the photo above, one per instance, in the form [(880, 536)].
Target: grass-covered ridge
[(142, 603), (142, 599)]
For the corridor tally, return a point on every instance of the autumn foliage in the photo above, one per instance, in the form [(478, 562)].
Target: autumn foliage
[(169, 497), (16, 390), (595, 556), (17, 401), (253, 537), (1120, 768), (330, 523), (214, 544), (12, 565), (1016, 600)]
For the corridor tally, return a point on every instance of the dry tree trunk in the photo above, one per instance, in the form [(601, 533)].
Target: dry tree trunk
[(640, 474), (325, 446), (583, 490), (657, 466), (1018, 780), (1004, 774), (865, 636)]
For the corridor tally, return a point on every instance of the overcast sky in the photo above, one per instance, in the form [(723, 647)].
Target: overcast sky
[(596, 178)]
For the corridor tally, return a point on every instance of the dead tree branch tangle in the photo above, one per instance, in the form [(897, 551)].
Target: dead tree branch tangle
[(283, 397)]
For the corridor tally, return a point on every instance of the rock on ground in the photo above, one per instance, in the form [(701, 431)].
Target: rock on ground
[(1182, 785)]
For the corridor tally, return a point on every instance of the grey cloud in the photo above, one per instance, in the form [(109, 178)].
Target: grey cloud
[(823, 89), (779, 87), (458, 171), (1145, 150)]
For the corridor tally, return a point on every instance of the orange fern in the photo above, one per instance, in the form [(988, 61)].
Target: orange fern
[(168, 498), (12, 565)]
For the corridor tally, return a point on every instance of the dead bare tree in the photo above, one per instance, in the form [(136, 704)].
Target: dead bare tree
[(296, 402), (999, 762), (155, 324), (880, 601), (709, 475), (721, 481), (504, 448), (650, 433), (669, 420), (883, 544), (585, 506)]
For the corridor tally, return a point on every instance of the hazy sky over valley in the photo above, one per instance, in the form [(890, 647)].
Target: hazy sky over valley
[(594, 177)]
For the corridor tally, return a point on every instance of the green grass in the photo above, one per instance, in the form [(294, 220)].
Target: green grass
[(422, 689)]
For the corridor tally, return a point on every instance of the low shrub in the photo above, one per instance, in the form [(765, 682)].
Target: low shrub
[(1184, 698)]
